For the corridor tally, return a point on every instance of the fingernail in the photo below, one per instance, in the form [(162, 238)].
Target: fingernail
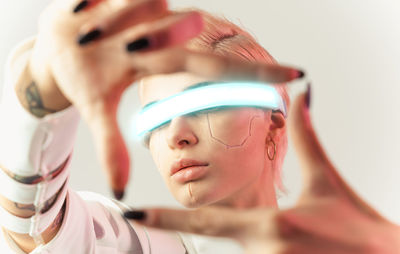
[(118, 194), (138, 45), (308, 95), (89, 37), (82, 5), (135, 215), (300, 74)]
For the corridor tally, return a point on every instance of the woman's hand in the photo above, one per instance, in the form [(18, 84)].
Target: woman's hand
[(89, 56), (328, 218)]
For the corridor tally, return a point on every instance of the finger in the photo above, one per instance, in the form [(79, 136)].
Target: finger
[(170, 31), (114, 156), (85, 5), (109, 142), (132, 14), (319, 175), (212, 66), (211, 221)]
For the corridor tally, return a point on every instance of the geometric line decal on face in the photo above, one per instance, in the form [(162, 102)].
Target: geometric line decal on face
[(232, 135)]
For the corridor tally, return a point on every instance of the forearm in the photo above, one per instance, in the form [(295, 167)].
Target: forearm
[(36, 136)]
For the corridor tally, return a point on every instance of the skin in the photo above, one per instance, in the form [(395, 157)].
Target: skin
[(233, 142)]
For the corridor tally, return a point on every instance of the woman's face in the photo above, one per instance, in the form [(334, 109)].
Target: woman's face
[(209, 157)]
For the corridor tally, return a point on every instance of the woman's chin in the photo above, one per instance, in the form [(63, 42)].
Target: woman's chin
[(191, 202), (198, 201), (196, 194)]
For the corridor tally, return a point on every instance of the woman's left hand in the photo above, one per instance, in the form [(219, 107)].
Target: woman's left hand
[(328, 218)]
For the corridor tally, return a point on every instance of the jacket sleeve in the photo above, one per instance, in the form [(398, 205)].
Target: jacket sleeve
[(31, 146)]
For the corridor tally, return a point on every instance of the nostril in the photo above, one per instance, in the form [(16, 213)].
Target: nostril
[(183, 142)]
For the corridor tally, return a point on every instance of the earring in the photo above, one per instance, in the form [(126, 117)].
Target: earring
[(271, 142)]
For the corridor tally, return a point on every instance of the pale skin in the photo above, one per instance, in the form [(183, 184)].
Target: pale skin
[(93, 77)]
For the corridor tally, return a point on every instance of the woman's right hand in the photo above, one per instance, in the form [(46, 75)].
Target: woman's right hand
[(125, 40)]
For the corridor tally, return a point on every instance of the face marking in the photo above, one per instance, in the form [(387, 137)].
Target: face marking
[(226, 143), (190, 190)]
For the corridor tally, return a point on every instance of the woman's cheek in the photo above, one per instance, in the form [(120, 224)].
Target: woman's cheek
[(232, 128)]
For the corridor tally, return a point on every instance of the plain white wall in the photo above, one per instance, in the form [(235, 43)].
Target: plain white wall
[(350, 50)]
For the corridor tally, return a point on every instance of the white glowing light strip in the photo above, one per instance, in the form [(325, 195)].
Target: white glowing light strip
[(211, 96)]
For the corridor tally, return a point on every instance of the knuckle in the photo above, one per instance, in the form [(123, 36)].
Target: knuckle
[(284, 228), (158, 6), (162, 38), (265, 227)]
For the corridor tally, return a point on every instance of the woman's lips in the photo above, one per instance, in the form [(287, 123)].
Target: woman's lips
[(186, 170)]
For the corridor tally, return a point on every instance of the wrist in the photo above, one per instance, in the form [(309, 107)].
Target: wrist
[(37, 91), (51, 96)]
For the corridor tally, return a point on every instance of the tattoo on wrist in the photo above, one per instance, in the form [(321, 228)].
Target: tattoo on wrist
[(34, 101)]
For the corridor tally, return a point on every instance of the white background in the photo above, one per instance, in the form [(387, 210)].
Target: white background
[(350, 50)]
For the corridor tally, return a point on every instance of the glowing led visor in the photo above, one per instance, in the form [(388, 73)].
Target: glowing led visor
[(232, 94)]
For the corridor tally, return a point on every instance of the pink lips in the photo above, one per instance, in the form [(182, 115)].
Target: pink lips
[(186, 170)]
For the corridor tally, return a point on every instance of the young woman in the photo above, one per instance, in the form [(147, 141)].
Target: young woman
[(243, 148)]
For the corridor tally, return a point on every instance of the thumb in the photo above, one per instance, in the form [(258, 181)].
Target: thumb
[(111, 150), (319, 175)]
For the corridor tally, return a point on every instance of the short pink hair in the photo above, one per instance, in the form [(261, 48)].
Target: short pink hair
[(222, 37)]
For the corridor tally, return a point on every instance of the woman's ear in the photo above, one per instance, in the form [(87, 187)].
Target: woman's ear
[(278, 121), (277, 126)]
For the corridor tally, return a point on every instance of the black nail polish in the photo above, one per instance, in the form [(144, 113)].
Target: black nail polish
[(138, 45), (308, 96), (118, 194), (301, 74), (135, 215), (89, 37), (82, 5)]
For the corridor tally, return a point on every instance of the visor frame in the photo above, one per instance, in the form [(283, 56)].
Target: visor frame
[(224, 94)]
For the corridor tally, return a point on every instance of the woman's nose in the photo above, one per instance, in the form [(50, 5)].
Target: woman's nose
[(180, 134)]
